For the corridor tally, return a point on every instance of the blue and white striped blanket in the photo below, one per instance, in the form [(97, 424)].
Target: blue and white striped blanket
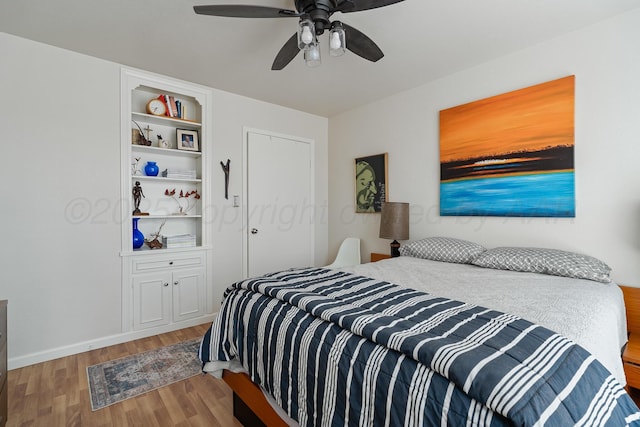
[(337, 349)]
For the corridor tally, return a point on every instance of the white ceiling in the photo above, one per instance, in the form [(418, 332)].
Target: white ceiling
[(422, 41)]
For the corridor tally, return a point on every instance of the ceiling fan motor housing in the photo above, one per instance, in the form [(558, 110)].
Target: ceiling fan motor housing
[(319, 11)]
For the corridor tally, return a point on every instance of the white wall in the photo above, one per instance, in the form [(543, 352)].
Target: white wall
[(60, 181), (604, 58), (232, 112)]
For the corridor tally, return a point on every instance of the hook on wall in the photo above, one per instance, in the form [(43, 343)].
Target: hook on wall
[(226, 168)]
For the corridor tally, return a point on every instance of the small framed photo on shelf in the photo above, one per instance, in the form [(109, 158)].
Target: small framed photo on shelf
[(187, 140)]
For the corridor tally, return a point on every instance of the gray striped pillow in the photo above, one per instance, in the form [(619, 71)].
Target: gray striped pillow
[(445, 249), (546, 261)]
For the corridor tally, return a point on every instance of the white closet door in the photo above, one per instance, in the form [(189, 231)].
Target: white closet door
[(279, 204)]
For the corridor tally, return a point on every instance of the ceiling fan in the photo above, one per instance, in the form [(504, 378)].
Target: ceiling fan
[(313, 21)]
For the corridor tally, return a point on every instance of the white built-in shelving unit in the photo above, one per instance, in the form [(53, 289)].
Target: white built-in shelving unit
[(164, 288)]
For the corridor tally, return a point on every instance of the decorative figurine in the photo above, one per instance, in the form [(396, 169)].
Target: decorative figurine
[(162, 143), (155, 243), (134, 166), (226, 168), (137, 197), (143, 140), (148, 131)]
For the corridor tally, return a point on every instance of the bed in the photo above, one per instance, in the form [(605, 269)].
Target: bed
[(440, 341)]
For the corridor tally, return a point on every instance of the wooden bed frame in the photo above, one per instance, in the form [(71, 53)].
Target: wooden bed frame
[(631, 355), (250, 407)]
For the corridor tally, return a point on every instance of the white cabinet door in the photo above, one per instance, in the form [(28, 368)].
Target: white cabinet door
[(151, 300), (188, 294), (167, 288)]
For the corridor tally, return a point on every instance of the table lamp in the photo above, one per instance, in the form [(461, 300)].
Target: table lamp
[(394, 224)]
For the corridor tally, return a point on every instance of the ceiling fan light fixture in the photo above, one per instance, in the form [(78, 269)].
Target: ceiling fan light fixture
[(312, 55), (306, 32), (337, 39), (314, 18)]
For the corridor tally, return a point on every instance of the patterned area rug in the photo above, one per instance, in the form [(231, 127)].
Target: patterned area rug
[(120, 379)]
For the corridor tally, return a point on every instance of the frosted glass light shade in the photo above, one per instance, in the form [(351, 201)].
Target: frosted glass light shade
[(306, 33), (337, 40), (312, 55)]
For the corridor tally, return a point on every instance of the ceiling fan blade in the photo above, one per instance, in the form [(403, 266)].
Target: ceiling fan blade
[(286, 54), (361, 45), (244, 11), (347, 6)]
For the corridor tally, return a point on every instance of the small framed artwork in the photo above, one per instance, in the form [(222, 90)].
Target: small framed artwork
[(187, 140), (371, 183)]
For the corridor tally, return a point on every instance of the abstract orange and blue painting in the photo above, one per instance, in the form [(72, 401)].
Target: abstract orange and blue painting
[(511, 154)]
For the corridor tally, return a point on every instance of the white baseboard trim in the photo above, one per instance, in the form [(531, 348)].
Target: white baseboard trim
[(68, 350)]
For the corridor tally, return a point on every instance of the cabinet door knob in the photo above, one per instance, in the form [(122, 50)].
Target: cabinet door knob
[(166, 284), (176, 283), (254, 231), (170, 262)]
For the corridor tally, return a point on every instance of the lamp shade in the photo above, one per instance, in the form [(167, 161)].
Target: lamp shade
[(394, 222)]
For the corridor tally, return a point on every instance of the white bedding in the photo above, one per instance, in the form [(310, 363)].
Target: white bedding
[(590, 313)]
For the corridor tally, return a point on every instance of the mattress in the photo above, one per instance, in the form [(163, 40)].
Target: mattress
[(589, 313)]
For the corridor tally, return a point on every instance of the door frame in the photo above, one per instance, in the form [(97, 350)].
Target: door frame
[(245, 190)]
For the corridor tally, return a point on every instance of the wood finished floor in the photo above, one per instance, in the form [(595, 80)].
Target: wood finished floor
[(56, 393)]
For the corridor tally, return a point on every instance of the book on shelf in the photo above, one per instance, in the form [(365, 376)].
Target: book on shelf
[(164, 101), (179, 241), (167, 104), (174, 108), (179, 174)]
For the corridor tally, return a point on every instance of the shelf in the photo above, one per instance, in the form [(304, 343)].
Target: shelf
[(164, 216), (162, 178), (144, 250), (167, 121), (165, 151)]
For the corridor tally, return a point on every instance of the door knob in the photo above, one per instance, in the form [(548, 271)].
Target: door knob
[(254, 231)]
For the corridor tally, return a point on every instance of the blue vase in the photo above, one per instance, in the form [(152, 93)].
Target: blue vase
[(138, 237), (151, 169)]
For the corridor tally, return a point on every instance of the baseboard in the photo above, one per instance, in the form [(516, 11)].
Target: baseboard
[(43, 356)]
